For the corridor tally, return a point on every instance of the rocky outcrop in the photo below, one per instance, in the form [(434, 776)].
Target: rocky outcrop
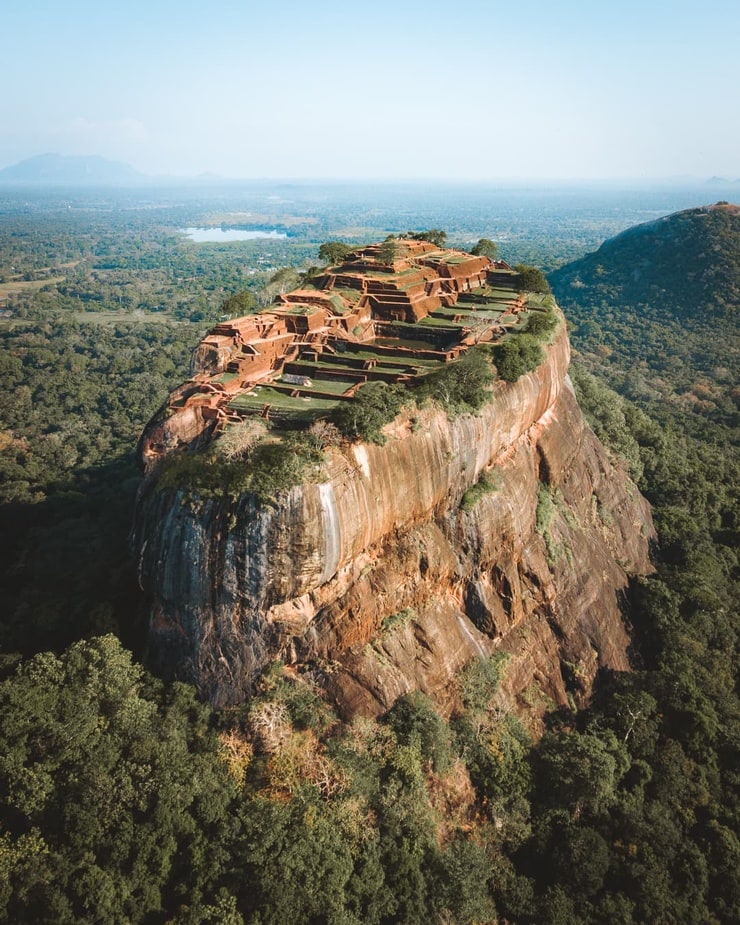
[(380, 580)]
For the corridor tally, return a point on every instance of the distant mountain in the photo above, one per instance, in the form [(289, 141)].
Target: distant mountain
[(681, 264), (60, 169)]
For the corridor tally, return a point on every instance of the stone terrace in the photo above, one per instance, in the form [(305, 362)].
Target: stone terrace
[(389, 312)]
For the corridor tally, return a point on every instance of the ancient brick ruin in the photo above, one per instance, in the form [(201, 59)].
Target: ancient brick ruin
[(388, 312)]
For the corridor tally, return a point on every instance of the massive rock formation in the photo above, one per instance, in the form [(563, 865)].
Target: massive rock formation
[(380, 580)]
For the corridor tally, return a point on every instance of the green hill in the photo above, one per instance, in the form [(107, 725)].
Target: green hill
[(682, 264), (654, 312)]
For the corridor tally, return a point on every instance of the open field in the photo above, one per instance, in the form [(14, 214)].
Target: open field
[(102, 318), (22, 285)]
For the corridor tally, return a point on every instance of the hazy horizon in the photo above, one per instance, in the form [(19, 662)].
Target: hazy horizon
[(384, 91), (504, 181)]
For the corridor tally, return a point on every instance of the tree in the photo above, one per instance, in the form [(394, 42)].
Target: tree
[(240, 303), (542, 324), (375, 405), (531, 279), (387, 251), (332, 252), (485, 248), (580, 859), (462, 385), (516, 356), (239, 439), (462, 884), (285, 279), (579, 772), (433, 235), (293, 863), (415, 722)]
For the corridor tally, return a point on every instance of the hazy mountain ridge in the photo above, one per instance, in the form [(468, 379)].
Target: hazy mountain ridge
[(55, 169)]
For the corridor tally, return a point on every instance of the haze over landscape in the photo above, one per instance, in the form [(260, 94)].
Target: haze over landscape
[(382, 90)]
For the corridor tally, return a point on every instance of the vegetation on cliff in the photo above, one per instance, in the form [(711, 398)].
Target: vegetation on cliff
[(268, 467), (531, 279), (375, 405), (462, 386), (517, 356)]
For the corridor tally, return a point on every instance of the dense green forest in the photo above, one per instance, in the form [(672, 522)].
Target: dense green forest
[(123, 799)]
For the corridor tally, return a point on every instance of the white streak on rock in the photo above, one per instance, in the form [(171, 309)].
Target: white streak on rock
[(360, 453), (330, 527)]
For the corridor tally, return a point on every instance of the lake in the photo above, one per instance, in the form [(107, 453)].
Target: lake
[(224, 235)]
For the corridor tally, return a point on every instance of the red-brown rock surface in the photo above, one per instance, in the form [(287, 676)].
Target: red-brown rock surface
[(383, 583)]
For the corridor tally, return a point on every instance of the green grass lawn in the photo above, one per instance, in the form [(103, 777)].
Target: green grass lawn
[(256, 400), (395, 364), (334, 386)]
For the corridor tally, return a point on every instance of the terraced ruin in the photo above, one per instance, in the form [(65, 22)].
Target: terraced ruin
[(389, 312)]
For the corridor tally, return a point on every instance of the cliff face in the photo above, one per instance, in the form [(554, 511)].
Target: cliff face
[(382, 582)]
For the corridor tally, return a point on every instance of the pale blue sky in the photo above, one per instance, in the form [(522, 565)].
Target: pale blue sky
[(395, 88)]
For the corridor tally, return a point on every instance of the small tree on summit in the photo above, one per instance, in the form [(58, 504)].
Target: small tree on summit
[(334, 251), (238, 440), (374, 405), (462, 385), (516, 356), (485, 248), (531, 279), (387, 251), (240, 303), (433, 235)]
